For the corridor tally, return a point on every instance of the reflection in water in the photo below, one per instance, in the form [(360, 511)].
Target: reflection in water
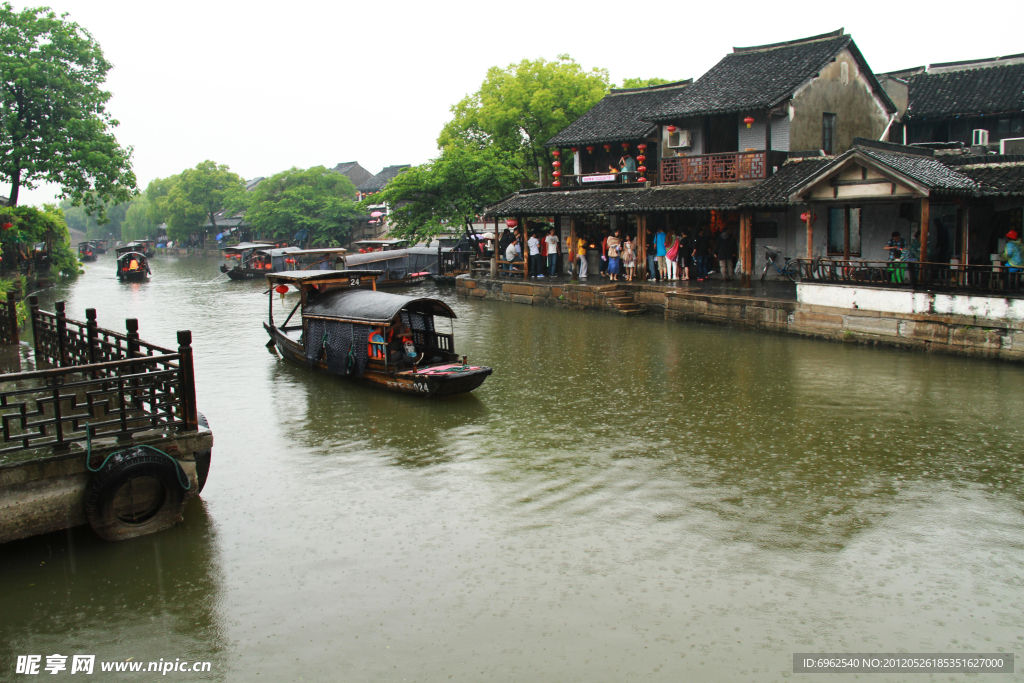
[(623, 498), (148, 598)]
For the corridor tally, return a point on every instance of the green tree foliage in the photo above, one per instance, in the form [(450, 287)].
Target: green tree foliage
[(137, 222), (316, 200), (448, 191), (197, 194), (93, 225), (54, 126), (519, 108), (31, 225)]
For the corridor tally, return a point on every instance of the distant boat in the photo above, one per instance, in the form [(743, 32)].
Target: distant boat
[(398, 266), (146, 247), (380, 338), (132, 265), (255, 260), (86, 251)]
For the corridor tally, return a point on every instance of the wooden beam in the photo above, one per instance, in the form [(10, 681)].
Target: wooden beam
[(746, 242), (846, 233), (570, 249), (641, 240), (494, 253), (924, 229)]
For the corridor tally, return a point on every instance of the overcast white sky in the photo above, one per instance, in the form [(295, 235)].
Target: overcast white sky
[(263, 86)]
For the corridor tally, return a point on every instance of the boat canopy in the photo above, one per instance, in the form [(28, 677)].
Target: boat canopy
[(384, 244), (128, 249), (325, 250), (375, 256), (246, 246), (272, 252), (319, 277), (371, 307)]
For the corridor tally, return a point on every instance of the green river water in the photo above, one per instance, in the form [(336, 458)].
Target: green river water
[(624, 499)]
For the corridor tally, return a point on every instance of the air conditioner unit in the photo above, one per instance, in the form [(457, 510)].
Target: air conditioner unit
[(1011, 146), (679, 138), (980, 137)]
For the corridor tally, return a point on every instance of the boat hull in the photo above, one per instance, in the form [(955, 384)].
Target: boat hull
[(428, 382), (133, 276)]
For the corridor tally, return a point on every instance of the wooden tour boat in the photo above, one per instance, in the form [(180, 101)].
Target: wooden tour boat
[(395, 264), (345, 327), (86, 252), (144, 247), (256, 260), (132, 265)]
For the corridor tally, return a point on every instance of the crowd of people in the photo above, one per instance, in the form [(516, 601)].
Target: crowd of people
[(673, 255)]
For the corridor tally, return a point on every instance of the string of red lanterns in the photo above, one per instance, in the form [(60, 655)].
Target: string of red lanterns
[(640, 158), (557, 173)]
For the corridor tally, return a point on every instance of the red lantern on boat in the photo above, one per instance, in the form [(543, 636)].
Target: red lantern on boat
[(590, 149), (282, 290), (641, 158), (671, 129), (749, 121)]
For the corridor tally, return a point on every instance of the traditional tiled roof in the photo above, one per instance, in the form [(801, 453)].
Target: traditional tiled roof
[(925, 169), (756, 78), (353, 171), (618, 117), (968, 92), (996, 175), (775, 191), (617, 200), (379, 181)]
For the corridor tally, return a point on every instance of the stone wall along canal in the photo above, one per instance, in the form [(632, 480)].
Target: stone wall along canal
[(625, 498)]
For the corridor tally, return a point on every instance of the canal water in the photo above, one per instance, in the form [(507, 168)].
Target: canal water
[(624, 499)]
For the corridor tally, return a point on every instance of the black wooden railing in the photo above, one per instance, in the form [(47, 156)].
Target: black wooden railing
[(9, 320), (454, 263), (433, 340), (115, 383), (911, 275)]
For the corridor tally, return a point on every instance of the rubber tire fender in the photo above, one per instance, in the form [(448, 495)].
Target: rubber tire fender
[(203, 459), (122, 468)]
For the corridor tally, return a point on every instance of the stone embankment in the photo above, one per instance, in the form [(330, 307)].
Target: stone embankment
[(967, 336)]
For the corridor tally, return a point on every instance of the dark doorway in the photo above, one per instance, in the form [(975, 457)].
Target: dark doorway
[(721, 134)]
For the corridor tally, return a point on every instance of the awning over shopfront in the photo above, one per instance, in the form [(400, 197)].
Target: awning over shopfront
[(620, 201)]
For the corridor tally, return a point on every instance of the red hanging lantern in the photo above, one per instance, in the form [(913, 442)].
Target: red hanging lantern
[(557, 174), (511, 222), (282, 290), (641, 169), (642, 147), (607, 148), (641, 179), (556, 163), (671, 129), (641, 158), (7, 226), (590, 149), (556, 153), (557, 183), (625, 146), (575, 149), (749, 121)]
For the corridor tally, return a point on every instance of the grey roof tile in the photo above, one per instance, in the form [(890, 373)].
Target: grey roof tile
[(618, 117), (987, 90), (379, 181)]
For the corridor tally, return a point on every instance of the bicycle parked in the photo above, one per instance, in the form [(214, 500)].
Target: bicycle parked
[(791, 268)]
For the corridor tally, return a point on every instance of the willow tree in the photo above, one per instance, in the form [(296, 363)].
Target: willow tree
[(54, 126)]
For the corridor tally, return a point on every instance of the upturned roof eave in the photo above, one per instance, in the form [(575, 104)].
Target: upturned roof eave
[(554, 142)]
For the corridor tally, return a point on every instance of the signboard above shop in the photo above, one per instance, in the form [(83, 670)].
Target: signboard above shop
[(603, 178)]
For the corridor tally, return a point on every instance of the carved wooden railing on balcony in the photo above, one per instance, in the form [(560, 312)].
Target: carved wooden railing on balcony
[(714, 168)]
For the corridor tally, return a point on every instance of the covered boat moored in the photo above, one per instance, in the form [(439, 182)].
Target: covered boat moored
[(376, 337)]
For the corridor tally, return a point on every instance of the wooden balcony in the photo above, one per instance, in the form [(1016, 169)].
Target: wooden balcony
[(714, 168)]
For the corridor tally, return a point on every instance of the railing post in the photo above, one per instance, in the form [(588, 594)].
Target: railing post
[(132, 325), (91, 333), (188, 381), (33, 314), (62, 330), (12, 317)]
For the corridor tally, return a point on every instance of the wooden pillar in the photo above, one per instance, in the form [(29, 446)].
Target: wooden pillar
[(846, 233), (747, 242), (924, 229), (570, 249), (810, 232), (641, 242), (187, 374), (494, 253), (525, 247), (965, 242)]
